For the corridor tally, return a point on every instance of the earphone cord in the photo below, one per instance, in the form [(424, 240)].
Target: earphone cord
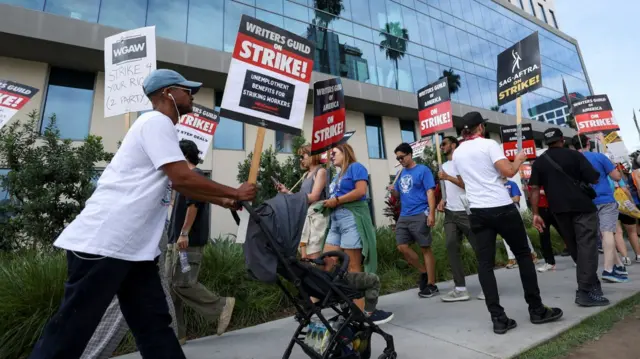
[(175, 106)]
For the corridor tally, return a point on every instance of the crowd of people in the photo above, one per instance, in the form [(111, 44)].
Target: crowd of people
[(135, 250)]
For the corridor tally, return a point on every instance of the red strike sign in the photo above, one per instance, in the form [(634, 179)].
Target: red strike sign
[(330, 129), (511, 149), (266, 56), (596, 122), (525, 171), (12, 101), (435, 118), (198, 123)]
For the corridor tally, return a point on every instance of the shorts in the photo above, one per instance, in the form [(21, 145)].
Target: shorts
[(315, 225), (627, 220), (413, 229), (344, 231), (608, 217)]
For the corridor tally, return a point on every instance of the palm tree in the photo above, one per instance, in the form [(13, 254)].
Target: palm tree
[(498, 109), (325, 12), (453, 80), (394, 43)]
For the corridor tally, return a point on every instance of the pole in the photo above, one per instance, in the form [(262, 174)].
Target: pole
[(519, 122), (127, 122), (257, 154), (439, 157)]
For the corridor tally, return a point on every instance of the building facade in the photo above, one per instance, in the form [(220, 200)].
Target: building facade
[(544, 10), (384, 50)]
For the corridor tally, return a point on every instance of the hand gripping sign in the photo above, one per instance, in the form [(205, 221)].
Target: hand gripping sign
[(13, 96), (199, 127), (329, 115)]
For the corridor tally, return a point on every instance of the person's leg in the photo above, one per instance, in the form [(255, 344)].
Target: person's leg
[(633, 239), (618, 237), (545, 237), (92, 282), (608, 217), (350, 243), (369, 284), (453, 235), (403, 242), (108, 335), (586, 229), (144, 305), (162, 270), (421, 234), (485, 238)]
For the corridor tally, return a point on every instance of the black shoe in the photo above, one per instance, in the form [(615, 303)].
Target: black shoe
[(565, 253), (590, 299), (423, 281), (429, 291), (503, 324), (597, 290), (546, 315)]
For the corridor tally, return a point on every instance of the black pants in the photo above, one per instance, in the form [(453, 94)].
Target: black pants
[(91, 285), (581, 234), (545, 236), (486, 224)]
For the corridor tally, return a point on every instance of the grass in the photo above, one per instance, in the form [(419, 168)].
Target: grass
[(589, 330), (32, 285)]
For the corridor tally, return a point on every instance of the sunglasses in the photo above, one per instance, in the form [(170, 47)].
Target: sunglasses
[(187, 90), (400, 158)]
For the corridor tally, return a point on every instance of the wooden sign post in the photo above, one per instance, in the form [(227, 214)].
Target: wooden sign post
[(439, 157), (519, 122)]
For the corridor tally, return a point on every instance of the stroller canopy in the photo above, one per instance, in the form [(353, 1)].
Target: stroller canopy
[(282, 219)]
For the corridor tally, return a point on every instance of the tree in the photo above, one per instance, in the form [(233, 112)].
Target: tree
[(498, 109), (394, 44), (288, 172), (453, 80), (49, 181), (325, 12), (571, 122)]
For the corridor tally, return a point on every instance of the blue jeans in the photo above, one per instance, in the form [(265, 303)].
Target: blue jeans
[(344, 231)]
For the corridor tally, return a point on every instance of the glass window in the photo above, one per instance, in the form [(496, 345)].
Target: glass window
[(533, 9), (408, 3), (29, 4), (463, 90), (426, 31), (362, 32), (474, 91), (456, 8), (229, 134), (445, 5), (271, 5), (365, 62), (284, 142), (408, 131), (394, 12), (452, 40), (441, 40), (444, 59), (361, 15), (433, 71), (296, 27), (522, 5), (418, 73), (542, 14), (70, 98), (123, 14), (378, 13), (457, 63), (465, 45), (296, 11), (411, 24), (86, 10), (553, 18), (170, 18), (205, 19), (232, 13), (268, 17), (375, 138)]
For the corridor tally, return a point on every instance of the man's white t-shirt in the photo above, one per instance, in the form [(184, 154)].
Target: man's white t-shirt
[(453, 192), (125, 216), (475, 162)]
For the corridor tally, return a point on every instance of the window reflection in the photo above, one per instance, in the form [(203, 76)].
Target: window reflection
[(229, 134), (284, 142), (232, 13), (408, 131), (69, 97), (86, 10), (123, 14), (375, 138), (205, 19), (169, 17)]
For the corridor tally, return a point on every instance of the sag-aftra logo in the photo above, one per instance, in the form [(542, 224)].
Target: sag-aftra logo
[(129, 49)]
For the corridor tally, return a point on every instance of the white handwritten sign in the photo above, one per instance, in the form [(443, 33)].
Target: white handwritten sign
[(129, 57)]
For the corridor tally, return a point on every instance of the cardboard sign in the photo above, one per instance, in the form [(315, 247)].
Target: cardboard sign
[(510, 141), (525, 171), (329, 115), (129, 57), (611, 138), (199, 127), (419, 146), (519, 69), (268, 81), (594, 114), (13, 96), (434, 108)]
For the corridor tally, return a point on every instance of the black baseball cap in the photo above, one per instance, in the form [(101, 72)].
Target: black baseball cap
[(472, 119), (552, 135)]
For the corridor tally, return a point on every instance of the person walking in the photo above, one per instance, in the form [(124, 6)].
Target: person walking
[(607, 206), (414, 188), (480, 162), (625, 221), (565, 176), (189, 234), (456, 222), (545, 234), (112, 245), (515, 194)]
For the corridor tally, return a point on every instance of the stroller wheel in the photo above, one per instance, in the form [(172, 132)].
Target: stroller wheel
[(388, 356)]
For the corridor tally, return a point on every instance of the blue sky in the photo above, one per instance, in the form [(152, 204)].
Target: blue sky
[(608, 32)]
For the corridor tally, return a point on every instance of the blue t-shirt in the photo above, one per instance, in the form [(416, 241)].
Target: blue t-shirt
[(347, 183), (413, 185), (603, 165), (513, 189)]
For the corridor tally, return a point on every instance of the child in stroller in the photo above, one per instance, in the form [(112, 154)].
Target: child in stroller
[(346, 335)]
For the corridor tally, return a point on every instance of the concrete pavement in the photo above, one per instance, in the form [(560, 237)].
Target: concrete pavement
[(430, 328)]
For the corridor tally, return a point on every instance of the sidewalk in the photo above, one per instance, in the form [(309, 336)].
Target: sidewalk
[(431, 328)]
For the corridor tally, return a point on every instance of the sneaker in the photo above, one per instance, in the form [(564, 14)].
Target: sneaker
[(546, 267), (503, 324), (590, 299), (429, 291), (614, 277), (456, 296), (225, 316), (379, 317), (626, 261), (481, 296), (597, 289), (622, 270), (423, 281), (511, 264), (637, 258), (565, 253), (546, 315)]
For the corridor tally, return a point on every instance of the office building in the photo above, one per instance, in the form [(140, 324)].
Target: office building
[(57, 46)]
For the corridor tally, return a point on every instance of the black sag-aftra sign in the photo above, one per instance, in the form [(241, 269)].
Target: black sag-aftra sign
[(519, 69)]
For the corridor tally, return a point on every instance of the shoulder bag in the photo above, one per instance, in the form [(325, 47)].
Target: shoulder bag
[(583, 187)]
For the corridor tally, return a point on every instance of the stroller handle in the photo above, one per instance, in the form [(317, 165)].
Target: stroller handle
[(342, 255)]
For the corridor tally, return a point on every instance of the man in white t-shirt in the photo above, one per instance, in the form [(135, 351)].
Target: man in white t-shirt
[(112, 245), (456, 221), (480, 163)]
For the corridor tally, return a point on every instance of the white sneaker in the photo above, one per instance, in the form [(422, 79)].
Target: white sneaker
[(546, 267), (481, 296), (456, 296), (626, 261), (638, 259)]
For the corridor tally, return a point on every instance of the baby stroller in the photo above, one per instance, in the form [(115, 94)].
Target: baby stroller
[(270, 249)]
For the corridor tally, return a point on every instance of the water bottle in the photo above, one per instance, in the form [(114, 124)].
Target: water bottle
[(184, 262), (326, 338), (317, 343), (311, 331)]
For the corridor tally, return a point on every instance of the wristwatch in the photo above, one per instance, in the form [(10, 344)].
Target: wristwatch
[(184, 234)]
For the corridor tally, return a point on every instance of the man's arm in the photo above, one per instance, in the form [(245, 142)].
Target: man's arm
[(431, 198), (189, 218), (457, 180), (535, 199), (515, 199)]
